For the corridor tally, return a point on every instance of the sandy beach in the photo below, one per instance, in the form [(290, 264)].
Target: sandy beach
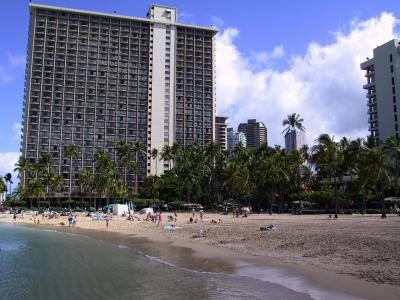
[(365, 249)]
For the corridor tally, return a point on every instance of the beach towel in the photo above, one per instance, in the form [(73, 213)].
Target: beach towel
[(271, 227), (170, 227)]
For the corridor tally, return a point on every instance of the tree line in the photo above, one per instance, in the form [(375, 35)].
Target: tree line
[(330, 173)]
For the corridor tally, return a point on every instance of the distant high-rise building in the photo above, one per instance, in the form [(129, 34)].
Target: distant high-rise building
[(221, 131), (383, 90), (235, 138), (294, 140), (255, 132), (93, 79)]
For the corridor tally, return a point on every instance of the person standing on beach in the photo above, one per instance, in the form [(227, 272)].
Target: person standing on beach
[(160, 219), (70, 218), (193, 212), (176, 217), (107, 220), (15, 216), (201, 215)]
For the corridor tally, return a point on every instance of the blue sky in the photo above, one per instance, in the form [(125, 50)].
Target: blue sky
[(265, 43)]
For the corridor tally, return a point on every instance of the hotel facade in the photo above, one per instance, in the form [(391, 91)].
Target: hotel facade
[(383, 90), (93, 79)]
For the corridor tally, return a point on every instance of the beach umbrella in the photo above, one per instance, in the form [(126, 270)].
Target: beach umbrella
[(393, 199)]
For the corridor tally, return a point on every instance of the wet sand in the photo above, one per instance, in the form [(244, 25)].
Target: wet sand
[(353, 255)]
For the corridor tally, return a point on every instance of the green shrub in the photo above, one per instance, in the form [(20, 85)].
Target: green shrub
[(67, 202), (320, 197), (82, 203), (142, 203), (14, 203), (176, 205), (43, 203)]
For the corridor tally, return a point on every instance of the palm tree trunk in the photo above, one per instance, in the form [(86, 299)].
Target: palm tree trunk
[(270, 201), (383, 206), (125, 175), (70, 178), (364, 208), (336, 202)]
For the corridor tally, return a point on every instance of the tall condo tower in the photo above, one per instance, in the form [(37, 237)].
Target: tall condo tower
[(294, 140), (93, 79), (255, 132), (221, 132), (383, 90)]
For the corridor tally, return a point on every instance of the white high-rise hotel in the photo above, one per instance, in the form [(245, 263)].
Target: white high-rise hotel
[(294, 140), (93, 79), (383, 90)]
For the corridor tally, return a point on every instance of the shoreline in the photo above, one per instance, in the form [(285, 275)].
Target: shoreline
[(196, 254)]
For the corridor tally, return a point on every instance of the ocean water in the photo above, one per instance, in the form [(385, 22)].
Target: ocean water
[(45, 264)]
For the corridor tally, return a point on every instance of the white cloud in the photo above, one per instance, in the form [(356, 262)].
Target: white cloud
[(17, 131), (217, 22), (7, 164), (324, 85), (185, 16), (278, 52), (8, 70), (16, 61), (5, 75)]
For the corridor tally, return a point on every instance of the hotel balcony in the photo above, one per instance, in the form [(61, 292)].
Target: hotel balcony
[(373, 126), (372, 119), (369, 74), (369, 85)]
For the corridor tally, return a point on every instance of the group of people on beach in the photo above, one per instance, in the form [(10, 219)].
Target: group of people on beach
[(72, 219), (156, 218)]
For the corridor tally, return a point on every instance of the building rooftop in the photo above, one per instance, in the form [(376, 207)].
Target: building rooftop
[(33, 6)]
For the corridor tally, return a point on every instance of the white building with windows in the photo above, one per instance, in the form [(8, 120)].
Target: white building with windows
[(93, 79), (383, 90), (294, 140)]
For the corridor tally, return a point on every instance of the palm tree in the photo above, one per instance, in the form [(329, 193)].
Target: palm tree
[(56, 181), (328, 160), (23, 168), (154, 155), (379, 168), (152, 186), (20, 193), (124, 151), (85, 180), (293, 122), (166, 155), (138, 150), (72, 152), (36, 189), (391, 147), (46, 172), (3, 188), (8, 179)]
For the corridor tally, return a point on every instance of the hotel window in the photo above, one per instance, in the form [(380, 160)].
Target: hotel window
[(392, 80), (390, 57), (391, 68)]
